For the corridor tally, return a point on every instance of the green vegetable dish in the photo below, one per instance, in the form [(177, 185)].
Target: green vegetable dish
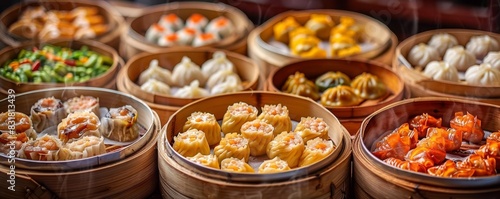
[(55, 64)]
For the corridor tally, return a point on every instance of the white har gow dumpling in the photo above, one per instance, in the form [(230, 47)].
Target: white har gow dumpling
[(186, 72), (171, 21), (192, 91), (442, 41), (186, 35), (169, 39), (221, 77), (196, 21), (459, 58), (483, 74), (231, 85), (205, 39), (155, 31), (156, 72), (218, 62), (221, 26), (440, 70), (155, 86), (422, 54), (481, 45), (493, 58)]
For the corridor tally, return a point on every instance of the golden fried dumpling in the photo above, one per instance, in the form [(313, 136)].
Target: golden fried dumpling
[(191, 142), (368, 86), (78, 124), (274, 165), (316, 150), (283, 28), (277, 116), (288, 146), (86, 146), (258, 134), (298, 84), (209, 160), (233, 145), (340, 96), (343, 46), (236, 115), (348, 27), (205, 122), (45, 148), (332, 79), (321, 25), (301, 32), (307, 47), (312, 127), (235, 165)]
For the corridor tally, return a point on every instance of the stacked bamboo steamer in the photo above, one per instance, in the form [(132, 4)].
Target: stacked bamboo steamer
[(166, 105), (421, 86), (329, 178), (370, 173), (131, 172), (134, 41), (113, 19), (270, 59)]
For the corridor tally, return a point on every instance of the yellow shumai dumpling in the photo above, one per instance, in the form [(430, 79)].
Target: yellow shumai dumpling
[(340, 96), (320, 24), (298, 84), (348, 27), (288, 146), (235, 165), (300, 32), (276, 115), (283, 28), (86, 146), (232, 145), (205, 122), (368, 86), (258, 134), (311, 127), (343, 46), (316, 149), (305, 46), (209, 160), (191, 142), (273, 166), (236, 115)]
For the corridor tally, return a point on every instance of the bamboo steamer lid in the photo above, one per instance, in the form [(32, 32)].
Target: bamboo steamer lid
[(370, 173), (112, 17)]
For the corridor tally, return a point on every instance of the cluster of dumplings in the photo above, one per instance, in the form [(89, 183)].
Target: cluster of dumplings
[(336, 88), (244, 133), (306, 41), (444, 58), (196, 31), (78, 23), (79, 131), (215, 76)]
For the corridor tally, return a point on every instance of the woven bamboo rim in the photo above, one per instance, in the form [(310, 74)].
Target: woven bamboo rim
[(111, 38), (417, 79), (332, 181), (272, 60), (370, 173), (137, 27), (103, 80), (168, 58), (133, 177)]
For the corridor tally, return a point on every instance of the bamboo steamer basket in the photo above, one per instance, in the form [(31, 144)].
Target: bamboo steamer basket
[(270, 59), (105, 80), (113, 18), (421, 85), (351, 116), (370, 173), (182, 179), (134, 40), (133, 176)]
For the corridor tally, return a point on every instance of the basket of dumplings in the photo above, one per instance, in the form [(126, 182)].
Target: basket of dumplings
[(351, 89), (58, 63), (178, 76), (63, 135), (431, 146), (265, 143), (451, 63), (60, 19), (187, 24)]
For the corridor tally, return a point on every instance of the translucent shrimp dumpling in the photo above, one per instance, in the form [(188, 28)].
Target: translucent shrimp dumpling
[(218, 62), (155, 86), (155, 71), (192, 91), (221, 77), (231, 85), (186, 72), (221, 26)]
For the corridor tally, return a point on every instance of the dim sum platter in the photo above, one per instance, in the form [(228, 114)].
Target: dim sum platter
[(374, 39), (115, 150), (298, 107), (384, 121)]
